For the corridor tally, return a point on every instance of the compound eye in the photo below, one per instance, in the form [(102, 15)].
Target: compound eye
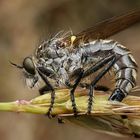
[(29, 65)]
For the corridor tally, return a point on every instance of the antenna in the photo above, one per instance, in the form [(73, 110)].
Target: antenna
[(18, 66)]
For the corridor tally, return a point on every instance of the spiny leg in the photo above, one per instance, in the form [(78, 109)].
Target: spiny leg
[(82, 74), (94, 82), (42, 91), (46, 88), (49, 86), (77, 81), (94, 68)]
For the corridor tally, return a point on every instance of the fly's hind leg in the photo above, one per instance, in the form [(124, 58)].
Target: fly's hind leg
[(98, 77)]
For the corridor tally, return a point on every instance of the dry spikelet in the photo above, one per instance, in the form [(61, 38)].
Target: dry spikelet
[(115, 118)]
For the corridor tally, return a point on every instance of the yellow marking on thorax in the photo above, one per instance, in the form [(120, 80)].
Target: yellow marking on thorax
[(73, 38)]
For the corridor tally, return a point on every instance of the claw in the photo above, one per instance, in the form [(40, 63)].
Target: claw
[(88, 113), (60, 120), (75, 113), (49, 115)]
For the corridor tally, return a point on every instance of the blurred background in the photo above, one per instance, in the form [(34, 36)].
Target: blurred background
[(23, 25)]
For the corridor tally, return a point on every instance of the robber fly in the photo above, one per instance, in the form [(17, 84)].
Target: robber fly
[(70, 61)]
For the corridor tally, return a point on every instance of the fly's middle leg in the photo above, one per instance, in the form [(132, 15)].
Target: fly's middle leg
[(77, 81)]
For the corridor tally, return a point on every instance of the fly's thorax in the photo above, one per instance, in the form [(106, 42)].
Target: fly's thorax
[(59, 60), (52, 48), (61, 67)]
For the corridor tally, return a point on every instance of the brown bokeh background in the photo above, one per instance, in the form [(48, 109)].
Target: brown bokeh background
[(23, 24)]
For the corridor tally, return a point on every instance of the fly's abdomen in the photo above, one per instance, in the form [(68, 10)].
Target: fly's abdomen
[(126, 71), (126, 79), (125, 67)]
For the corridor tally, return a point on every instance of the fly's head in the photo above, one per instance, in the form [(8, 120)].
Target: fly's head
[(29, 71)]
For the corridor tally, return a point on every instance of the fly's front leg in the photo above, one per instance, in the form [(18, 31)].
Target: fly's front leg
[(42, 91), (77, 81), (60, 120), (45, 88), (110, 60)]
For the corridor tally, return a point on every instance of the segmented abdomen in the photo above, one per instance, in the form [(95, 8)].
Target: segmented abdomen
[(125, 67)]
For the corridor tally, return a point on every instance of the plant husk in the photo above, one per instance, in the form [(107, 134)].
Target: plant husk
[(115, 118)]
